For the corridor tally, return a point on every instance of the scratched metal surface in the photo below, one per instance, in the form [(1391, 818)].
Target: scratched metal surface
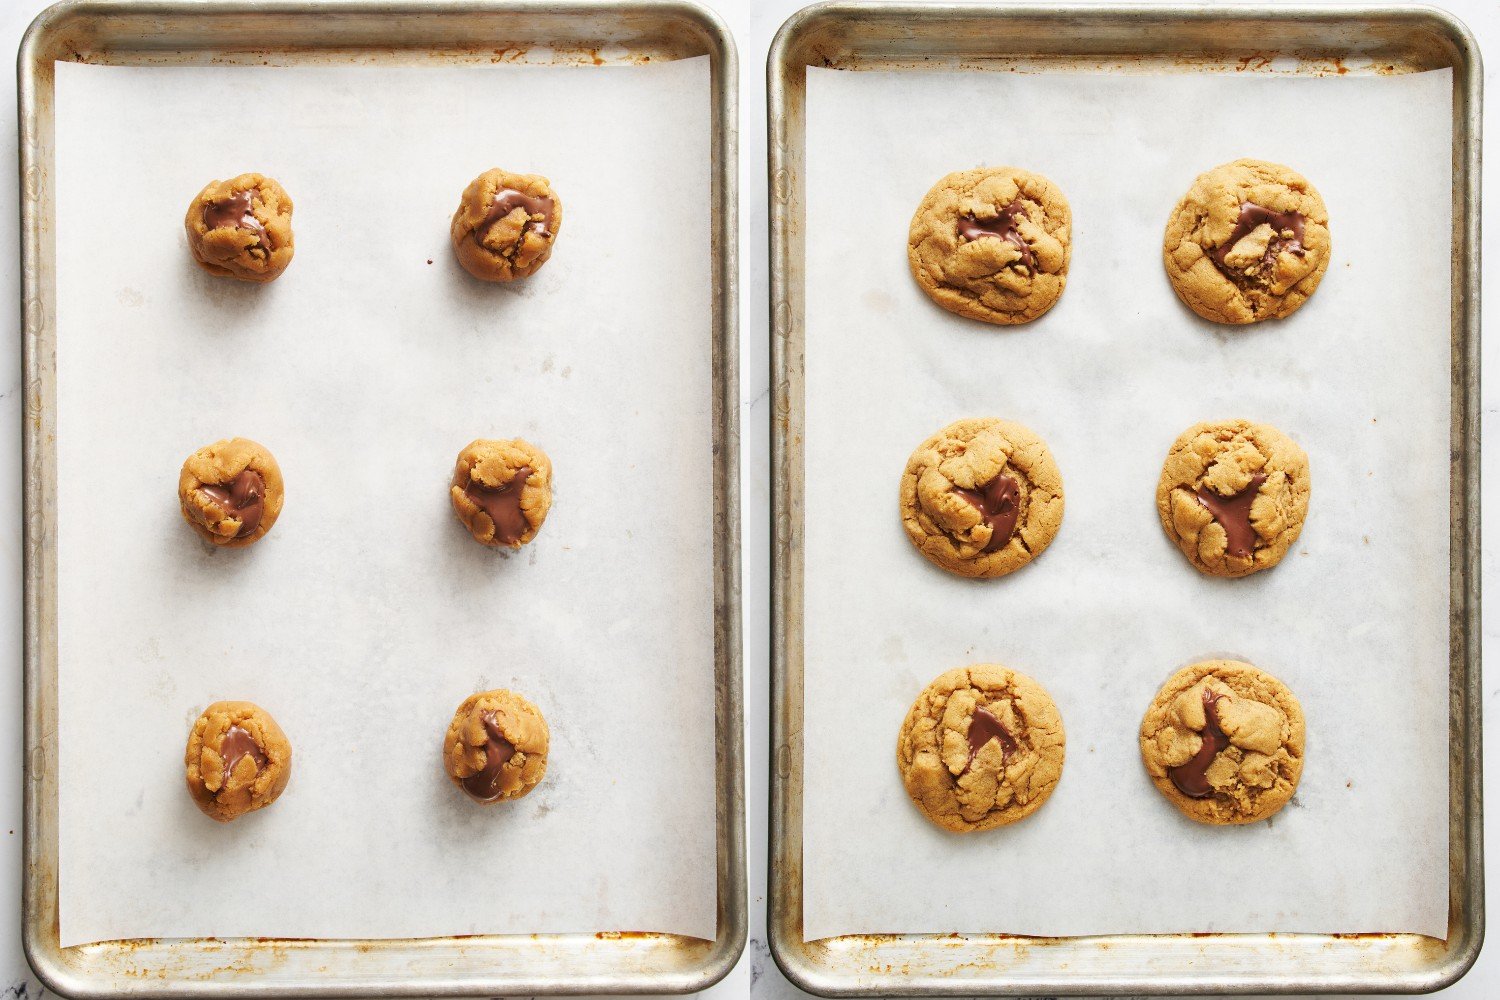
[(408, 32), (1135, 39)]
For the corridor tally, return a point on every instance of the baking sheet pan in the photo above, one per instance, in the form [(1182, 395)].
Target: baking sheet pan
[(548, 957), (368, 609), (1109, 377), (867, 37)]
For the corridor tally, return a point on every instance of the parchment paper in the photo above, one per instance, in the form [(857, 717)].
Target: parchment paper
[(1354, 620), (368, 614)]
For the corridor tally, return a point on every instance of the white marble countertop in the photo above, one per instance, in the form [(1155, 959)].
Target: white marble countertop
[(754, 23)]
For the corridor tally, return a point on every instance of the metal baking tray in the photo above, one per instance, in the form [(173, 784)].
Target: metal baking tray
[(1177, 38), (270, 33)]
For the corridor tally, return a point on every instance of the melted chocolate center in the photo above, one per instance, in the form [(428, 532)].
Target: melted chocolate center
[(984, 727), (1252, 217), (243, 499), (1002, 226), (236, 745), (234, 213), (503, 505), (507, 200), (484, 785), (999, 502), (1191, 778), (1233, 515)]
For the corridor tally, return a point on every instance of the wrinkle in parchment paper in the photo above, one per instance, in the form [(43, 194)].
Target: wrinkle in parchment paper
[(1355, 619), (368, 614)]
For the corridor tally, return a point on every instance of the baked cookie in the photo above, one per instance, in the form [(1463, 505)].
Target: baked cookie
[(1233, 496), (981, 497), (992, 244), (231, 492), (238, 760), (502, 490), (1223, 742), (505, 225), (981, 747), (496, 747), (241, 228), (1249, 241)]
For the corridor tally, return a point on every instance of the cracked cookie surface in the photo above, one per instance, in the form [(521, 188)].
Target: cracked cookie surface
[(1248, 242), (1233, 496), (981, 747), (238, 760), (1223, 742), (496, 746), (241, 228), (992, 244), (231, 492), (502, 490), (505, 225), (981, 497)]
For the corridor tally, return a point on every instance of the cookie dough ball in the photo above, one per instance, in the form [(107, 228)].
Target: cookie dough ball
[(981, 747), (505, 225), (981, 497), (496, 747), (992, 244), (1248, 242), (502, 491), (1223, 742), (238, 760), (241, 228), (1233, 496), (231, 492)]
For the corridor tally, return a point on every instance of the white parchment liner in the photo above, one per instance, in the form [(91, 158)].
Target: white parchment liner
[(1354, 620), (368, 614)]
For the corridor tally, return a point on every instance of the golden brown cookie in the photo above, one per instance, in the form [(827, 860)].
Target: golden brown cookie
[(496, 747), (1223, 742), (1233, 496), (1248, 242), (502, 490), (231, 492), (505, 225), (238, 760), (981, 497), (981, 747), (992, 244), (241, 228)]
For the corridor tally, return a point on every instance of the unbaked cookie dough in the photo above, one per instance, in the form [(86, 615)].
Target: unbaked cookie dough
[(502, 490), (1223, 742), (505, 225), (496, 747), (231, 492), (1248, 242), (238, 760), (981, 747), (981, 497), (1233, 496), (992, 244), (241, 228)]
